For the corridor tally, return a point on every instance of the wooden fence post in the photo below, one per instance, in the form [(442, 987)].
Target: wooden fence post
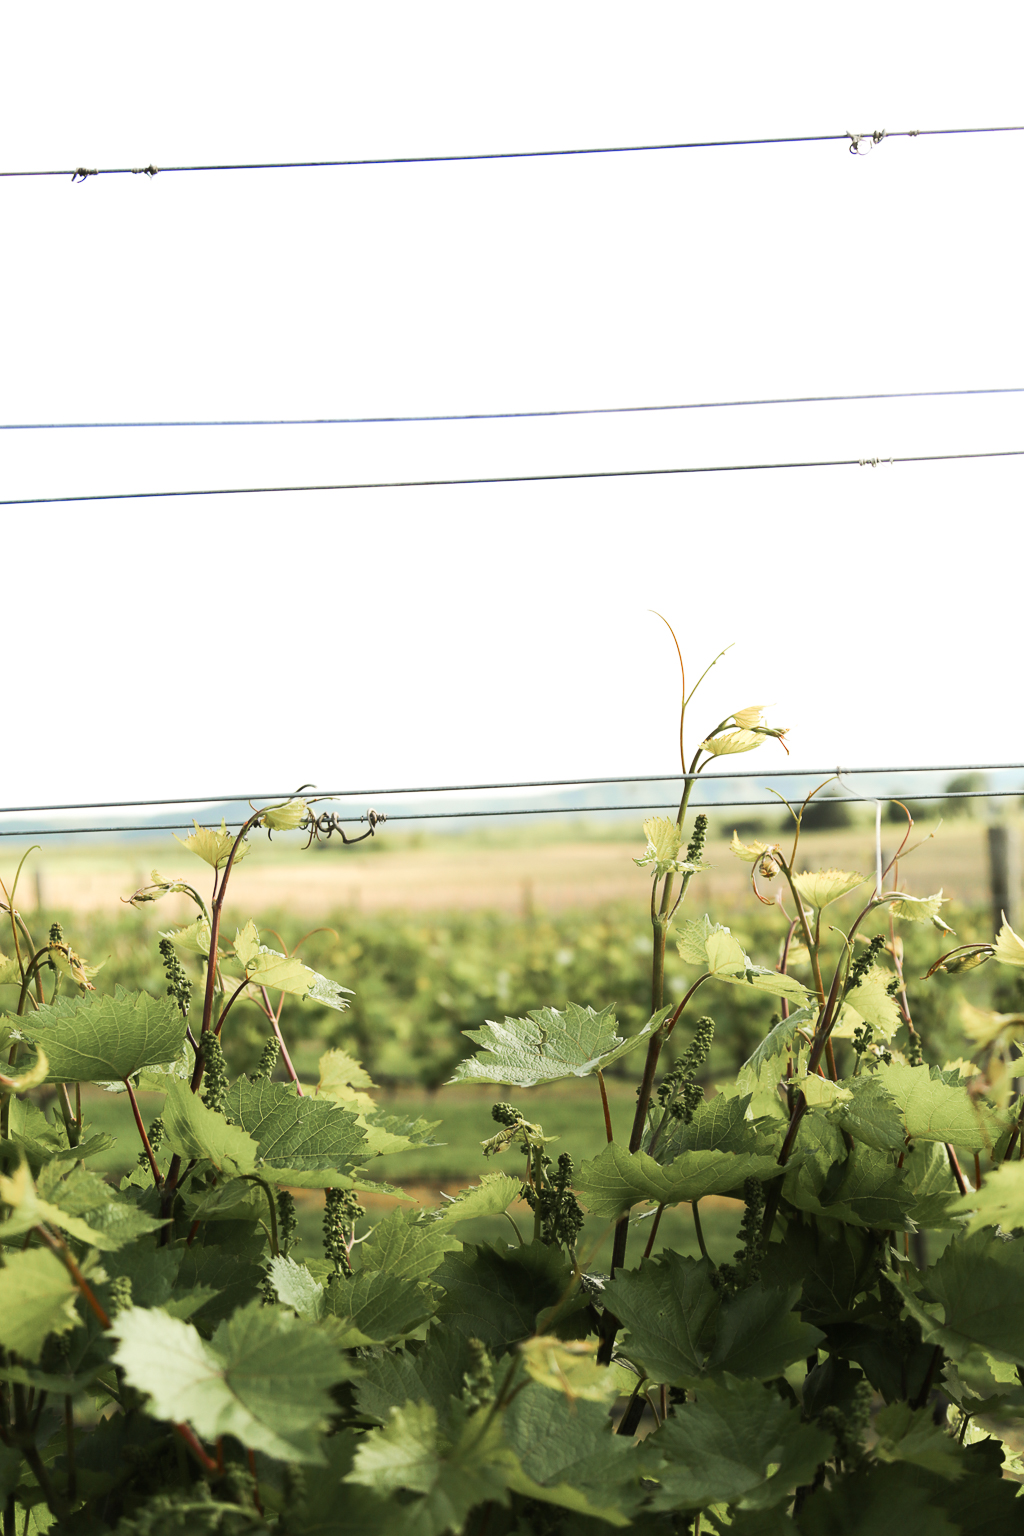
[(1004, 863)]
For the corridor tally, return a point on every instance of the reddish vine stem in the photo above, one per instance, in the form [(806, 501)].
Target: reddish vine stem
[(955, 1169), (604, 1102), (64, 1254), (191, 1439), (158, 1177)]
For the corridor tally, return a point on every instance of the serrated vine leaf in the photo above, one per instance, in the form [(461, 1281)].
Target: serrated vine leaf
[(37, 1297), (548, 1045), (408, 1245), (919, 909), (913, 1436), (739, 1444), (191, 1130), (266, 967), (497, 1294), (667, 1305), (196, 937), (731, 742), (29, 1210), (936, 1111), (94, 1039), (493, 1195), (345, 1080), (375, 1307), (760, 1335), (711, 945), (262, 1378), (977, 1282), (570, 1453), (450, 1478), (295, 1287), (572, 1368), (76, 1192), (826, 885), (292, 1132), (871, 1001), (999, 1202), (1009, 946), (214, 848), (616, 1179)]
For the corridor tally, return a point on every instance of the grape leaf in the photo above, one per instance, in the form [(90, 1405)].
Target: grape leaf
[(977, 1281), (826, 885), (616, 1179), (113, 1220), (98, 1039), (262, 1378), (715, 947), (295, 1132), (863, 1187), (567, 1447), (213, 847), (432, 1374), (547, 1045), (284, 973), (739, 1444), (936, 1111), (375, 1307), (295, 1287), (408, 1453), (720, 1125), (871, 1001), (196, 936), (872, 1114), (883, 1501), (999, 1202), (760, 1335), (493, 1195), (667, 1305), (408, 1245), (191, 1130), (496, 1294), (37, 1297)]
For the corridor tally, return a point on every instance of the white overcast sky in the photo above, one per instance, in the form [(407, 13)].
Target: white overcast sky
[(455, 634)]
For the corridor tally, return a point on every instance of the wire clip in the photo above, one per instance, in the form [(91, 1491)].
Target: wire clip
[(872, 463), (145, 170), (869, 141), (81, 174)]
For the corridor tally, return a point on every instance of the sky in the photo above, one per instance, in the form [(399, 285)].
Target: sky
[(475, 633)]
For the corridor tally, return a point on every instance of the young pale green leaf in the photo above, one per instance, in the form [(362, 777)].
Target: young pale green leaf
[(572, 1368), (1009, 946), (345, 1080), (999, 1202), (375, 1307), (919, 909), (295, 1133), (77, 1193), (37, 1297), (548, 1045), (732, 742), (196, 937), (693, 939), (616, 1179), (826, 885), (739, 1444), (726, 961), (936, 1111), (871, 1115), (871, 1002), (214, 848), (493, 1195), (266, 967), (667, 1305), (410, 1455), (408, 1245), (664, 838), (262, 1378), (94, 1039), (191, 1130), (295, 1287), (286, 817), (782, 1038)]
